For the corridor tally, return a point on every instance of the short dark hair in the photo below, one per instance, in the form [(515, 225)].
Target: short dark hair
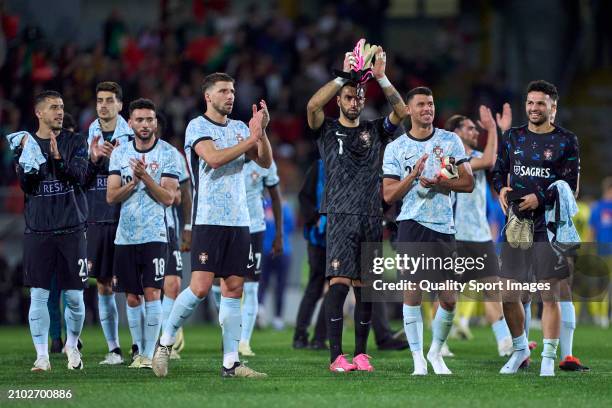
[(69, 122), (213, 78), (40, 97), (455, 122), (543, 86), (419, 90), (110, 86), (141, 103)]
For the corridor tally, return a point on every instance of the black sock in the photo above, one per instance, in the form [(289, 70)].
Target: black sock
[(363, 320), (320, 331), (334, 303)]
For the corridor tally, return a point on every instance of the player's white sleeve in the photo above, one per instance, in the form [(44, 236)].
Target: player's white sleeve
[(196, 132), (170, 166), (391, 166), (181, 165), (458, 151), (114, 164), (271, 179)]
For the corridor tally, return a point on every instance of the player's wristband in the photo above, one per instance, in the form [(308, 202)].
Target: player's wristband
[(384, 82), (340, 81), (187, 227)]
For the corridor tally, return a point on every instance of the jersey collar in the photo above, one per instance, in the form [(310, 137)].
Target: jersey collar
[(216, 123), (421, 140), (145, 151)]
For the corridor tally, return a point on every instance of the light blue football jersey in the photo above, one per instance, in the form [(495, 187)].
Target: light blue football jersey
[(219, 194), (142, 219), (429, 207), (172, 211), (255, 179), (471, 209)]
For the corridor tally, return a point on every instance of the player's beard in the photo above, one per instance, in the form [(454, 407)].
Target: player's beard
[(146, 138), (472, 142), (350, 115), (223, 109), (54, 125)]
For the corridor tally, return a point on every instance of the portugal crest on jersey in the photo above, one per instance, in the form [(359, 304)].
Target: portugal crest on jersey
[(154, 166), (365, 138), (203, 258), (438, 152), (548, 154)]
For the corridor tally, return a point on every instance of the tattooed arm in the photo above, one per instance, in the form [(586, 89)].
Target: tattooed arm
[(392, 95)]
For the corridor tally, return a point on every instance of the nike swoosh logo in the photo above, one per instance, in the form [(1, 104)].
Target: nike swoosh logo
[(408, 158), (84, 279), (340, 134), (158, 279), (335, 320), (365, 323), (250, 266), (557, 267)]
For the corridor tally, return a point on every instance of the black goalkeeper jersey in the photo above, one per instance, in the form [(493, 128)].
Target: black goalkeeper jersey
[(352, 161), (533, 161)]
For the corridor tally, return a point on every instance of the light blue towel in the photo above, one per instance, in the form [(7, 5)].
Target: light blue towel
[(123, 131), (560, 227), (31, 156)]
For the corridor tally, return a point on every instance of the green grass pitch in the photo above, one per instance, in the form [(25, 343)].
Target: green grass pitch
[(301, 378)]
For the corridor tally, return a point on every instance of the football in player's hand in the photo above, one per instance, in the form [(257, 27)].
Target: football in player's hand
[(448, 169)]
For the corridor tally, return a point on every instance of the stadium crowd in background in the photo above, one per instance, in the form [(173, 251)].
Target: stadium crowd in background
[(273, 56)]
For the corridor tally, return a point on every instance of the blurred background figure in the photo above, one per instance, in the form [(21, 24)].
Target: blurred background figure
[(600, 222), (275, 266)]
